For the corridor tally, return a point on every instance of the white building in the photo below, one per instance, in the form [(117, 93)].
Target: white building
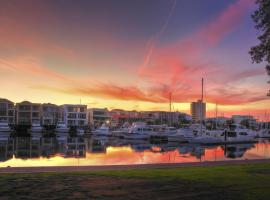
[(7, 111), (98, 116), (198, 111), (50, 114), (73, 114), (28, 113)]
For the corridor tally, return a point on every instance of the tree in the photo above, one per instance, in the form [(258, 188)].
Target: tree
[(261, 52)]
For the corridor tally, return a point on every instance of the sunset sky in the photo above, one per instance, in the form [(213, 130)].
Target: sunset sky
[(131, 53)]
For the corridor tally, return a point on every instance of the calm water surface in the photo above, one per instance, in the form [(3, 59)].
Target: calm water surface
[(22, 152)]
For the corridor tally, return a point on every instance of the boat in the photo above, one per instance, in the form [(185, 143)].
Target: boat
[(36, 128), (80, 131), (187, 132), (264, 133), (238, 133), (36, 131), (61, 131), (4, 130), (138, 130), (104, 130), (173, 135)]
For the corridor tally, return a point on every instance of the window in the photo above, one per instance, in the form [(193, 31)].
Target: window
[(10, 113), (24, 107), (82, 116), (243, 133), (3, 109), (231, 134), (82, 109), (81, 122), (35, 114), (36, 108), (71, 115)]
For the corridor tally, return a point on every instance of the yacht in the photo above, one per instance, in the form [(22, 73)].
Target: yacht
[(238, 133), (215, 133), (187, 132), (104, 130), (4, 130), (4, 127), (61, 130), (36, 131), (264, 133), (166, 133), (80, 131), (138, 130), (173, 135), (36, 128)]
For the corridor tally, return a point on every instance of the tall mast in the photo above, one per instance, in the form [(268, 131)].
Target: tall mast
[(202, 89), (216, 114), (201, 109), (170, 98)]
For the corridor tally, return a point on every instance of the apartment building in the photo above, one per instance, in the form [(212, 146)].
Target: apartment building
[(7, 111), (74, 114), (198, 111), (98, 116), (28, 113), (50, 114)]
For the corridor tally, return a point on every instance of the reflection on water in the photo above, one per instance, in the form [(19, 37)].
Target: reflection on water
[(111, 151)]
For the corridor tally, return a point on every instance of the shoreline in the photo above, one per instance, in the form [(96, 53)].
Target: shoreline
[(7, 170)]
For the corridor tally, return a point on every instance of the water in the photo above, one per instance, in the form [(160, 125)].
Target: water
[(26, 152)]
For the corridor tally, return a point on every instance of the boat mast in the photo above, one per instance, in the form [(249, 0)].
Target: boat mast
[(202, 105), (202, 89), (216, 114), (170, 98)]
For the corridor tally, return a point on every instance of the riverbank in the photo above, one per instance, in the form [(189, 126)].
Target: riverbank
[(219, 181)]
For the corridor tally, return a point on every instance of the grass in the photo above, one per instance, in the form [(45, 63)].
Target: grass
[(213, 182)]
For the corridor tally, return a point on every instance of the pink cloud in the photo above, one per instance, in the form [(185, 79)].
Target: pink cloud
[(181, 65)]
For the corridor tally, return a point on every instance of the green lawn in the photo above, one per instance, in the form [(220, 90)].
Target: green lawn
[(220, 182)]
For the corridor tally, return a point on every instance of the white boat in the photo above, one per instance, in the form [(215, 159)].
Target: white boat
[(215, 133), (36, 128), (61, 130), (4, 130), (138, 130), (173, 135), (104, 130), (264, 133), (4, 127), (238, 133), (80, 131), (187, 132)]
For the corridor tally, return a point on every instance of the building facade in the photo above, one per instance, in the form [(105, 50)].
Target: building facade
[(7, 111), (50, 114), (98, 116), (198, 111), (73, 115), (28, 113)]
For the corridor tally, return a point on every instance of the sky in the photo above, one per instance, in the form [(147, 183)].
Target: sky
[(132, 54)]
